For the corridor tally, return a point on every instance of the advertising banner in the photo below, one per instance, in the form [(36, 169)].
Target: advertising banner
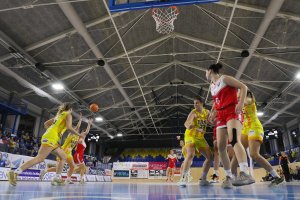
[(14, 161), (139, 165), (121, 173), (33, 175), (158, 165), (121, 165), (157, 174)]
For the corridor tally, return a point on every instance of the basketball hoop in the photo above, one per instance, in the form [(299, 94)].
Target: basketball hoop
[(164, 18)]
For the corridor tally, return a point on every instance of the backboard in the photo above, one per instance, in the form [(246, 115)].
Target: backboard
[(127, 5)]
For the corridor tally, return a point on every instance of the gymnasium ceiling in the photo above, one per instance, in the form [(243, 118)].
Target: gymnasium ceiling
[(169, 68)]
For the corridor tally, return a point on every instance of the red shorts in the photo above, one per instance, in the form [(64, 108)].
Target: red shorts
[(78, 158), (171, 166), (226, 114)]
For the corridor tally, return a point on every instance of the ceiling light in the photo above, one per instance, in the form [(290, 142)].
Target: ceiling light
[(99, 119), (57, 86), (111, 137), (259, 114), (298, 75), (119, 134)]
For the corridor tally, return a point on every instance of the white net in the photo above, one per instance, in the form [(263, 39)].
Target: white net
[(164, 18)]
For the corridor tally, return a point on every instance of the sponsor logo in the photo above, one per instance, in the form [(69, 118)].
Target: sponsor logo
[(45, 140), (251, 132), (42, 165), (49, 176), (3, 175)]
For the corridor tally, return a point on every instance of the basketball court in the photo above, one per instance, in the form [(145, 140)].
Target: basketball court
[(135, 67), (142, 191)]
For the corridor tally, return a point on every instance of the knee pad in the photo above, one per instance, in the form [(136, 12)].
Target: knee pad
[(234, 139)]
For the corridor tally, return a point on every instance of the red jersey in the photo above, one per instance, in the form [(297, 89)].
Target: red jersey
[(223, 94), (80, 148), (172, 161)]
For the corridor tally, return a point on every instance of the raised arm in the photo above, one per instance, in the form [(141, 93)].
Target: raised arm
[(87, 130), (48, 123), (79, 122)]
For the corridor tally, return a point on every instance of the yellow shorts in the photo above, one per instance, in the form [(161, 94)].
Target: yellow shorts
[(51, 142), (254, 133), (196, 142)]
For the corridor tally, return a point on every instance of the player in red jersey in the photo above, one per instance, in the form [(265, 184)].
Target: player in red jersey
[(79, 153), (229, 120), (172, 159)]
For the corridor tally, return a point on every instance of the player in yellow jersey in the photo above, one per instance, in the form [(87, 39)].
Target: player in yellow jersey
[(68, 146), (50, 143), (184, 153), (194, 141), (252, 137)]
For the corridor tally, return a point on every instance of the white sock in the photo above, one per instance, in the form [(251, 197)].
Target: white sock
[(216, 172), (58, 176), (274, 174), (185, 172), (244, 167), (18, 171), (228, 173)]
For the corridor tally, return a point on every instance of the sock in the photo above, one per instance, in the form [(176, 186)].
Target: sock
[(244, 167), (203, 176), (234, 175), (68, 178), (274, 174), (228, 173), (216, 172), (18, 171), (58, 176), (184, 173)]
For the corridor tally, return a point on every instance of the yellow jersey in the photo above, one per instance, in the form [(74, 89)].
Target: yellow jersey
[(57, 129), (199, 122), (70, 143), (250, 116)]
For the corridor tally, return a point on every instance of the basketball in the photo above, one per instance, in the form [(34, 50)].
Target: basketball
[(94, 107)]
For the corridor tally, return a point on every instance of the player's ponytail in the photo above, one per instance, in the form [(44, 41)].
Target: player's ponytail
[(64, 107), (216, 67)]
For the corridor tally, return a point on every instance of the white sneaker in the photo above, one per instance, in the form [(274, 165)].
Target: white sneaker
[(190, 178), (68, 181), (82, 181), (57, 182), (182, 182), (204, 183), (42, 174)]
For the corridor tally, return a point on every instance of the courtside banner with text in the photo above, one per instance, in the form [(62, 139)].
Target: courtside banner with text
[(14, 161)]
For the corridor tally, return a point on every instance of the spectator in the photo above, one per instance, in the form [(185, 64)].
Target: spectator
[(22, 147), (284, 162), (3, 163), (5, 142), (35, 150), (11, 144), (26, 137), (293, 156)]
